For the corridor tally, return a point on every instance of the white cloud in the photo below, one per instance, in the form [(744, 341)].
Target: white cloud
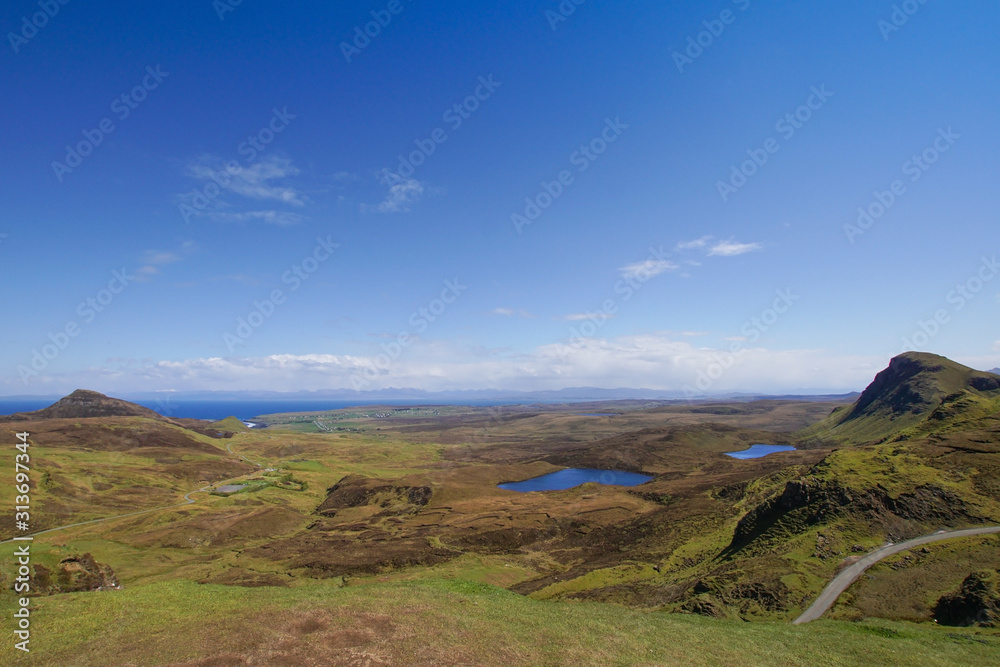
[(644, 361), (580, 317), (160, 258), (647, 269), (693, 245), (280, 218), (153, 260), (510, 312), (256, 181), (403, 192), (732, 248)]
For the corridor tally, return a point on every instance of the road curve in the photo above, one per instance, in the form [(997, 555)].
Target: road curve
[(840, 583), (230, 450), (187, 501)]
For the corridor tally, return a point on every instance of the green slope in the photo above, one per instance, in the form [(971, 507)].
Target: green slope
[(448, 623), (918, 394), (232, 424)]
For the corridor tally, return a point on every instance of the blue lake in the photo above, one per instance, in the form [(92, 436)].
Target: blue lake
[(570, 477), (757, 451)]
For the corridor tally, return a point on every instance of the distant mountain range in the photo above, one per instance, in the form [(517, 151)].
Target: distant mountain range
[(571, 394)]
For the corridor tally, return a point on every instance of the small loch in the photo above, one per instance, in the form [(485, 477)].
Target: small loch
[(570, 477), (758, 451)]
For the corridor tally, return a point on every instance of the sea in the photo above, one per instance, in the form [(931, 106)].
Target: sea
[(245, 410)]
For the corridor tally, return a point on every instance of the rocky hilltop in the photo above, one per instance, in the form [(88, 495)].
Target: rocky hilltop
[(82, 404), (914, 388)]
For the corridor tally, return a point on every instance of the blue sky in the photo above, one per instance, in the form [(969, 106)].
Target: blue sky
[(652, 266)]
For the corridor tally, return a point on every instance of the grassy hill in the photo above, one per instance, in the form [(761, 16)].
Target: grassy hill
[(231, 424), (919, 393), (89, 467), (84, 403)]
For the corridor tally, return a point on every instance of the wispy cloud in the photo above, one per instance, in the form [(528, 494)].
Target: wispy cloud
[(280, 218), (260, 181), (403, 193), (580, 317), (693, 245), (510, 312), (647, 269), (727, 248), (153, 260), (160, 258), (733, 248)]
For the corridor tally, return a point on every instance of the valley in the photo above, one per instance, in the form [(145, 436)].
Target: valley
[(382, 532)]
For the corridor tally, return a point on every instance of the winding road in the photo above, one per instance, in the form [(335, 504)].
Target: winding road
[(840, 583), (229, 449)]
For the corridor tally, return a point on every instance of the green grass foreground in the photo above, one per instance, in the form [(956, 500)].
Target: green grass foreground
[(446, 622)]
